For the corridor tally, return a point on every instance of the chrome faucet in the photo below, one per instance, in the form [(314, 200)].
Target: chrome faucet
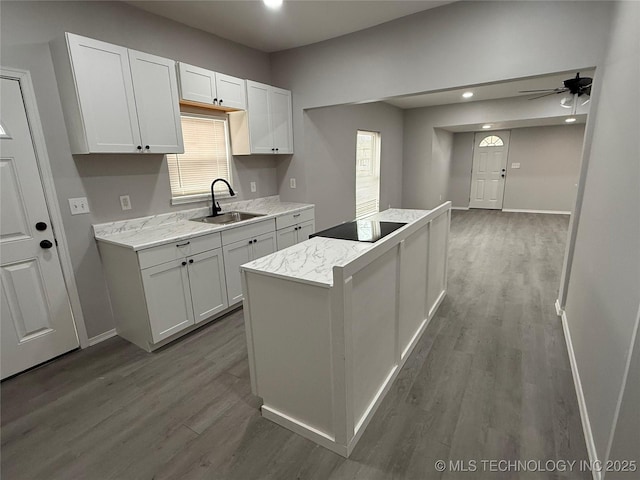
[(215, 207)]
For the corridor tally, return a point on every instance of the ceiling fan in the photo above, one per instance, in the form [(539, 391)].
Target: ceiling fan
[(576, 87)]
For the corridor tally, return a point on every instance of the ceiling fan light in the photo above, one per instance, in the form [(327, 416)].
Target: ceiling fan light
[(567, 102), (273, 3)]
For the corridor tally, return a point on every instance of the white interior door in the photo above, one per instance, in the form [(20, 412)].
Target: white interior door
[(489, 170), (36, 320)]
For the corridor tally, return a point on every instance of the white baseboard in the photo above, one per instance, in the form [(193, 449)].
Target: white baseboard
[(584, 415), (102, 337), (548, 212), (459, 208)]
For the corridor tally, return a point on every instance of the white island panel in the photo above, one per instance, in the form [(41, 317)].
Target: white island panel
[(331, 322)]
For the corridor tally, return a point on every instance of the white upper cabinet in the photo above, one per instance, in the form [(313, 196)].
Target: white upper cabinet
[(105, 96), (156, 92), (117, 100), (205, 86), (267, 125), (281, 128)]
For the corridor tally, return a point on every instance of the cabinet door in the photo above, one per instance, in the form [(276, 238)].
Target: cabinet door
[(196, 84), (264, 245), (304, 230), (208, 286), (105, 92), (166, 289), (260, 136), (235, 254), (281, 121), (232, 91), (156, 91), (287, 237)]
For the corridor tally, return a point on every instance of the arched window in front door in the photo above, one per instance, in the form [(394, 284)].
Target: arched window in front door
[(492, 141)]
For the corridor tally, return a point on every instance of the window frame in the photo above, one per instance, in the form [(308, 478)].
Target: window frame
[(375, 167), (200, 197)]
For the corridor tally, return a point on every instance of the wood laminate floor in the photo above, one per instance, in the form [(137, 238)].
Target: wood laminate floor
[(489, 380)]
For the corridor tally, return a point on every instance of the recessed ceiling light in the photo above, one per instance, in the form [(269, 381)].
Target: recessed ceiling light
[(486, 126), (467, 95), (273, 3), (570, 120)]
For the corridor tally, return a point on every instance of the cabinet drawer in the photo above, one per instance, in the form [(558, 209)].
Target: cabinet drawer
[(175, 250), (289, 219), (247, 231)]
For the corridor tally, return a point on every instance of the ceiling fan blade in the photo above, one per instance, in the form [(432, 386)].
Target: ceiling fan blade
[(545, 95), (552, 90)]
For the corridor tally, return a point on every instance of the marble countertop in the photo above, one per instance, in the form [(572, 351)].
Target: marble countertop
[(146, 232), (312, 261)]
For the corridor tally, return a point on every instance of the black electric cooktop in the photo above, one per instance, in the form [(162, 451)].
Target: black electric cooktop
[(361, 230)]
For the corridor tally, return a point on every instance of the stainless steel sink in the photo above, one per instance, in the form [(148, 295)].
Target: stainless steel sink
[(227, 218)]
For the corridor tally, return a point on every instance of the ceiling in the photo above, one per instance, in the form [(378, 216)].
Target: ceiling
[(491, 91), (296, 23)]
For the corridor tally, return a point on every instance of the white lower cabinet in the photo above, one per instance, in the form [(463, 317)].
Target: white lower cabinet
[(241, 252), (184, 292), (158, 292), (166, 290), (207, 284), (289, 236)]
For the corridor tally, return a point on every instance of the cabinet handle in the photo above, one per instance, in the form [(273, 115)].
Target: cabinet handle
[(41, 226), (183, 244), (139, 147), (220, 102), (273, 149), (191, 260), (215, 101), (184, 263), (277, 149), (146, 147), (296, 215), (255, 240)]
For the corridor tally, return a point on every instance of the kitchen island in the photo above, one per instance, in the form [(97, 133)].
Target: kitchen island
[(330, 323)]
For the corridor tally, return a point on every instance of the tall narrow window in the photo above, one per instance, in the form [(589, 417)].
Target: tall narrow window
[(205, 158), (367, 173)]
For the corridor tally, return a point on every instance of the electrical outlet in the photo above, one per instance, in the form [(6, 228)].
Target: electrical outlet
[(515, 165), (292, 182), (253, 186), (79, 205), (125, 202)]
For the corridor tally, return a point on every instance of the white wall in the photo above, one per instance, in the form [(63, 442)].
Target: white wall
[(461, 164), (330, 134), (25, 33), (603, 294), (460, 44), (547, 179)]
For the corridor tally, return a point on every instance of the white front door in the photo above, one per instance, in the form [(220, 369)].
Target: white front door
[(36, 320), (490, 152)]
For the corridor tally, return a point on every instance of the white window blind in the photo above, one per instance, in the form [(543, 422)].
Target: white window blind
[(205, 157), (367, 173)]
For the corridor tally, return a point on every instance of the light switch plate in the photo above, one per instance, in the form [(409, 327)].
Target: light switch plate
[(292, 182), (79, 205), (253, 186), (125, 202), (515, 165)]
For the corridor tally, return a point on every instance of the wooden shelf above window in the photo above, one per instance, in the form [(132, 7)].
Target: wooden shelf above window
[(188, 105)]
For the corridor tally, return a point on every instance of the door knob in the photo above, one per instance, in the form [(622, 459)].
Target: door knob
[(41, 226), (46, 244)]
